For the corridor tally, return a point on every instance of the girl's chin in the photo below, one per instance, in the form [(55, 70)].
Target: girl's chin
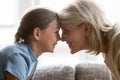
[(51, 50)]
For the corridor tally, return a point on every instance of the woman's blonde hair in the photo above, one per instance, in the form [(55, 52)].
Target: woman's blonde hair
[(82, 11)]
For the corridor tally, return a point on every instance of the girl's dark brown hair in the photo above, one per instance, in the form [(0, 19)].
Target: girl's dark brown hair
[(39, 17)]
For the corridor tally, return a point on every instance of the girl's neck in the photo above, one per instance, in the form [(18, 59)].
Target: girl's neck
[(36, 49)]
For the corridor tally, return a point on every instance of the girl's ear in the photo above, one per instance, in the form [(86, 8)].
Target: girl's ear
[(36, 33)]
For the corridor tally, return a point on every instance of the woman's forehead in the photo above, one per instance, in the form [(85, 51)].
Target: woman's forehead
[(67, 26)]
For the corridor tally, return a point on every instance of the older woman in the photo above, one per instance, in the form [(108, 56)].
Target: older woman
[(85, 27)]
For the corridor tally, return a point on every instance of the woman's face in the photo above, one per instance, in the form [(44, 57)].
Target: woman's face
[(49, 37), (75, 37)]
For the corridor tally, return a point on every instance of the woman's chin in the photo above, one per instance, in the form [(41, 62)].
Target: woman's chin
[(74, 51)]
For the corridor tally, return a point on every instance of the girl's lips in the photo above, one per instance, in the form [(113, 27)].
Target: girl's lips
[(54, 44)]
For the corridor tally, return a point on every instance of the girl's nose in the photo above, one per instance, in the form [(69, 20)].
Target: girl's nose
[(58, 38)]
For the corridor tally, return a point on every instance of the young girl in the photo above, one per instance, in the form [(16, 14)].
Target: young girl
[(84, 27), (37, 33)]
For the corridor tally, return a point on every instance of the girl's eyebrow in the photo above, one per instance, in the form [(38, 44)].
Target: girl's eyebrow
[(58, 27)]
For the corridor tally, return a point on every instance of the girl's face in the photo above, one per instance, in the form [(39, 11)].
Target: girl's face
[(49, 37), (75, 37)]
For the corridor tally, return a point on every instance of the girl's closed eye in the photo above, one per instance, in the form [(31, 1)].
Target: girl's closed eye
[(56, 32)]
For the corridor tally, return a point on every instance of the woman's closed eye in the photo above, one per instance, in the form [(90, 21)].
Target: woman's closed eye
[(65, 31)]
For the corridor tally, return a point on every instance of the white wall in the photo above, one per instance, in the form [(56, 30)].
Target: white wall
[(11, 12)]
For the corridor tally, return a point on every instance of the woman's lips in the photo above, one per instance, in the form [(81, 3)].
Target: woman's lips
[(69, 44)]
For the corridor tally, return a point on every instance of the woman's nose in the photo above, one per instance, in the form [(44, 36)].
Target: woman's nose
[(62, 37)]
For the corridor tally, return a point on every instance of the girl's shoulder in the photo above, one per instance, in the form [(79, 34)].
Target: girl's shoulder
[(14, 48)]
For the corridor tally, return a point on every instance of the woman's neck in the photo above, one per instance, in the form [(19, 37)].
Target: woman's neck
[(105, 46)]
